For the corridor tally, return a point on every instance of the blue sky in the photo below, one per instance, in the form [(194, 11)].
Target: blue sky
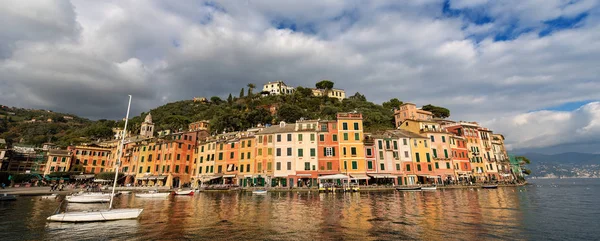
[(521, 67)]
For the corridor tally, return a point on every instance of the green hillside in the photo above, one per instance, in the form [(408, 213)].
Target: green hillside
[(246, 110)]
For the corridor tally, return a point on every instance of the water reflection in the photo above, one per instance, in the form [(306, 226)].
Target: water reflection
[(464, 214)]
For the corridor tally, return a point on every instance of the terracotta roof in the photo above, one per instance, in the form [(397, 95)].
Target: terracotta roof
[(278, 129), (404, 133)]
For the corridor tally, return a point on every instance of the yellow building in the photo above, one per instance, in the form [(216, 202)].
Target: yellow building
[(58, 161), (246, 160), (205, 165), (350, 132)]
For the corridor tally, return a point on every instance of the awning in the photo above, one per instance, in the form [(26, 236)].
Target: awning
[(142, 178), (360, 177), (304, 175), (506, 175), (160, 177), (281, 175), (382, 176), (248, 176), (428, 176), (229, 175), (82, 177), (102, 180), (333, 177), (208, 178)]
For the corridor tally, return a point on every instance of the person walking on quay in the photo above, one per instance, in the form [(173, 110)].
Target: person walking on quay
[(3, 185)]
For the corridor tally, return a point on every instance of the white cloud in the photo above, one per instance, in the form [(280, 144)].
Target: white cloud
[(86, 56)]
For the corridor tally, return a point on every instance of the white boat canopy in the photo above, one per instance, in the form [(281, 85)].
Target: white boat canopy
[(382, 176), (360, 177), (333, 177)]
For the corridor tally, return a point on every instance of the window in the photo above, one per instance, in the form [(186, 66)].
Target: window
[(447, 165), (381, 155), (354, 165), (278, 151), (248, 167), (428, 157), (260, 151), (259, 167), (408, 167), (345, 136), (199, 170), (443, 139), (432, 139), (178, 157), (278, 166), (356, 137), (437, 166), (241, 168), (270, 139), (369, 152), (405, 142), (243, 144), (321, 137), (387, 145), (355, 126), (415, 141), (369, 165), (220, 156), (289, 151), (176, 168), (249, 143), (270, 151), (289, 137), (344, 151), (425, 142), (395, 154), (382, 167), (289, 166), (220, 169), (329, 151), (329, 166), (380, 144), (419, 168), (269, 166), (397, 166), (141, 169), (395, 145), (434, 153), (54, 159), (201, 159), (247, 155), (231, 154), (445, 153), (307, 166), (278, 138), (300, 152), (312, 137), (418, 157), (300, 137), (406, 154), (94, 162), (103, 162), (313, 152), (429, 167), (202, 149), (344, 126), (353, 151), (334, 137), (241, 156)]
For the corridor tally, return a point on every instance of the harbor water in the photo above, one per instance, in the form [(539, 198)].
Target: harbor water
[(551, 209)]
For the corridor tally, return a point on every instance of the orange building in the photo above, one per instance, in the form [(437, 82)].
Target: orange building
[(91, 158)]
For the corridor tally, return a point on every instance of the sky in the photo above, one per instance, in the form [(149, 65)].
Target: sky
[(526, 68)]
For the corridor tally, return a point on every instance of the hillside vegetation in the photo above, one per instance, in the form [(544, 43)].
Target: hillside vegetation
[(246, 110)]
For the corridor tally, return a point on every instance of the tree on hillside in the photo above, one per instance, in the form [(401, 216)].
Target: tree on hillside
[(216, 100), (358, 96), (326, 86), (290, 113), (250, 88), (438, 112), (303, 92), (393, 103), (230, 99), (242, 93)]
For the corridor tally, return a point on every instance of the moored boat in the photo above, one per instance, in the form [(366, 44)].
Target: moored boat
[(429, 188), (491, 186), (259, 192), (153, 195), (7, 197), (408, 188), (88, 199), (52, 196), (184, 192), (95, 216)]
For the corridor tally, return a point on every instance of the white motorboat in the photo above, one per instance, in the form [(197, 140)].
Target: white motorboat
[(95, 216), (95, 194), (125, 192), (429, 188), (153, 195), (52, 196), (88, 199), (259, 192), (101, 215)]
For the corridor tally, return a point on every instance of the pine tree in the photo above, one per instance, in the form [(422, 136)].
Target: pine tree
[(242, 93)]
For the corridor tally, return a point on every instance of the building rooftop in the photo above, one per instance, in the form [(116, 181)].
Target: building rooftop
[(403, 134)]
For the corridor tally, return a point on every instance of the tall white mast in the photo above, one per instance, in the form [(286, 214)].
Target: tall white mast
[(119, 154)]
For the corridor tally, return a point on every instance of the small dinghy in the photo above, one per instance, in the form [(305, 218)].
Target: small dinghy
[(184, 192), (408, 188), (259, 192), (96, 216), (52, 196)]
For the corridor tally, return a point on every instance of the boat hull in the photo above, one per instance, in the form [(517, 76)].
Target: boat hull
[(189, 192), (8, 197), (489, 186), (405, 189), (97, 216), (259, 192), (88, 199), (153, 195), (428, 188)]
